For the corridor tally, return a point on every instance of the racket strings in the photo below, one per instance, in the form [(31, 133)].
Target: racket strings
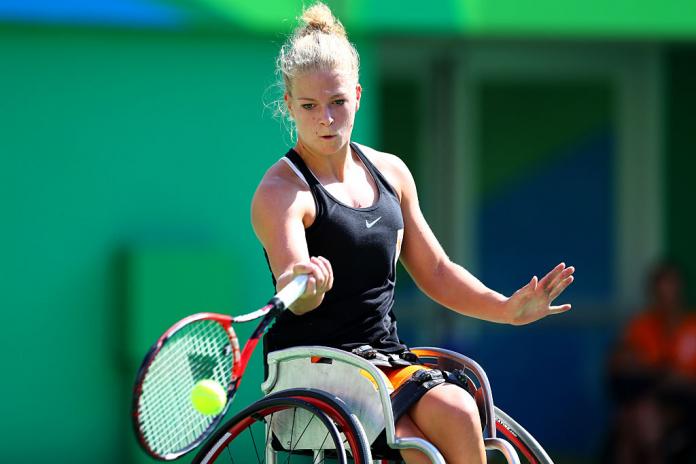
[(200, 350), (188, 352), (196, 368)]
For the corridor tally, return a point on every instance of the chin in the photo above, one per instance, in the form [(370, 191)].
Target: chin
[(325, 147), (329, 147)]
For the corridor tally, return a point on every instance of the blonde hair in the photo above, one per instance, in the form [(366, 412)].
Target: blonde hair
[(319, 43)]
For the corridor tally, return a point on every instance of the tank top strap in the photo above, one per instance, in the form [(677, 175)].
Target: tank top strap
[(299, 163), (376, 174), (316, 187), (321, 202)]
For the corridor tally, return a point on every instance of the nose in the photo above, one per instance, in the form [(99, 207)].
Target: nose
[(326, 118)]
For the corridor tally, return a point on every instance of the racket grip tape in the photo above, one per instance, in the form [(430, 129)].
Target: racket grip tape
[(290, 293)]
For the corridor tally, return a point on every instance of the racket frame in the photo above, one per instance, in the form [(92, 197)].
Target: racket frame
[(226, 322), (268, 313)]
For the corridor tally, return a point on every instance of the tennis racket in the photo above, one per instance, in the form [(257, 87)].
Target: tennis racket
[(201, 346)]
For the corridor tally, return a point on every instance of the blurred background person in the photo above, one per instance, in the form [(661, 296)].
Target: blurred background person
[(652, 375)]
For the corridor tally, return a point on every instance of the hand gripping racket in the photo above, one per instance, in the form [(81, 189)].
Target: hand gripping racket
[(201, 346)]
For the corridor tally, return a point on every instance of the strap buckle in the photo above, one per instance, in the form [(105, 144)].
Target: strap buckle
[(372, 355), (429, 378)]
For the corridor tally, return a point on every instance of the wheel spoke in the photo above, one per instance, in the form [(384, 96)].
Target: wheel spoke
[(229, 452), (321, 447), (297, 442), (256, 450), (269, 434), (292, 447)]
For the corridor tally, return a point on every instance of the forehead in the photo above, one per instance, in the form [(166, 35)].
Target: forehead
[(322, 84)]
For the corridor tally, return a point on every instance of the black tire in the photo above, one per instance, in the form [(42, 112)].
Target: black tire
[(525, 444), (243, 438)]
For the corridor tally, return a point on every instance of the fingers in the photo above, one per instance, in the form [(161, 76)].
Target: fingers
[(533, 283), (330, 270), (528, 289), (562, 278), (557, 280), (559, 309), (562, 285), (567, 272), (550, 279), (325, 284), (320, 275), (313, 273)]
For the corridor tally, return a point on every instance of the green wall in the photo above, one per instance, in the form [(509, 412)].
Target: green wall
[(667, 19), (117, 145)]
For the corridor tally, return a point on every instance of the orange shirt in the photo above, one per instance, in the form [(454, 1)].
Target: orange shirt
[(656, 345), (683, 354)]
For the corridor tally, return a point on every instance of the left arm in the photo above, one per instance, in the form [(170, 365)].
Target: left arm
[(453, 286)]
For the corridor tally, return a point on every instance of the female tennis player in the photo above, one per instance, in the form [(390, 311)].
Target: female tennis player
[(344, 213)]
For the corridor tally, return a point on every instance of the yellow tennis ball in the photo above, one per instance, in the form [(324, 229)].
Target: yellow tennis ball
[(208, 397)]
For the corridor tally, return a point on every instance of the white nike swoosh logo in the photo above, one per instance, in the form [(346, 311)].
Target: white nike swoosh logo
[(370, 224)]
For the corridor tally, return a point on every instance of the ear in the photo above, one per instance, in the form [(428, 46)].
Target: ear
[(287, 98), (358, 94)]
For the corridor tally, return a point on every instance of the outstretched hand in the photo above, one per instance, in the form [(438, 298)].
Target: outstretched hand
[(533, 301)]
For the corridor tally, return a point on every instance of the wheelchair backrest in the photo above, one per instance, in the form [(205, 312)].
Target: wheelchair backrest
[(352, 384)]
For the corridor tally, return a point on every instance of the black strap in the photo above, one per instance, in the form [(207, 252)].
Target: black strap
[(403, 359), (299, 163), (413, 389), (421, 381), (376, 174)]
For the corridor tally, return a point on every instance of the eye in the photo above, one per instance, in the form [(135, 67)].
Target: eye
[(340, 101), (308, 106)]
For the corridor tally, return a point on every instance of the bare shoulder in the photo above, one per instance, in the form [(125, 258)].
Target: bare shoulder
[(392, 167), (280, 178), (383, 160), (281, 191)]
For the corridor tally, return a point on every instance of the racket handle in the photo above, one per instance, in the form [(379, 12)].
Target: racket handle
[(291, 292)]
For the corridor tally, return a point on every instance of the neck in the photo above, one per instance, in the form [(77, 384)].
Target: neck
[(326, 166)]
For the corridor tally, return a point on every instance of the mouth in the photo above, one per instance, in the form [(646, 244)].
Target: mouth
[(327, 137)]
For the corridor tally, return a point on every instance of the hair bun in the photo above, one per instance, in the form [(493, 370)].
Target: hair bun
[(318, 17)]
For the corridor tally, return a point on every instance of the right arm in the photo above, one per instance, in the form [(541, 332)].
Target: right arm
[(281, 207)]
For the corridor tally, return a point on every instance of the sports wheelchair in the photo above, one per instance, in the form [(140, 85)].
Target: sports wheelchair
[(330, 405)]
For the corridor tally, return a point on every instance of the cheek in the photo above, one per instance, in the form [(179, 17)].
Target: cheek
[(346, 114), (303, 119)]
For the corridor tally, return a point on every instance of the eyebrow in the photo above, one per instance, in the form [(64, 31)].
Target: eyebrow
[(332, 96)]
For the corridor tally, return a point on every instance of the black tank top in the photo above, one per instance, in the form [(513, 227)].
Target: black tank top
[(362, 245)]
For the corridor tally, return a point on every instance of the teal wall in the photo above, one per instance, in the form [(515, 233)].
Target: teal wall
[(117, 146)]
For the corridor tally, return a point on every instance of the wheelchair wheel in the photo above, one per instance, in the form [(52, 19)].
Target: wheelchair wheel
[(295, 426), (355, 439), (523, 441)]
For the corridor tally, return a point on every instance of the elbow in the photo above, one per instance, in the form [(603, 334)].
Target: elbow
[(435, 284), (440, 268)]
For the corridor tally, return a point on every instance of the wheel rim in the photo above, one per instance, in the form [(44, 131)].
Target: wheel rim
[(246, 440)]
